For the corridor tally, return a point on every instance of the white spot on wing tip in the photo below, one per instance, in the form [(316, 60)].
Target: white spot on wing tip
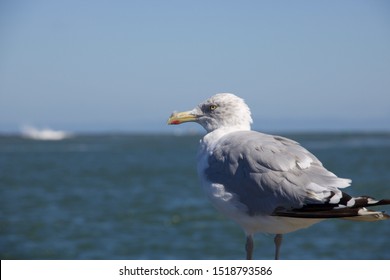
[(351, 202), (371, 201)]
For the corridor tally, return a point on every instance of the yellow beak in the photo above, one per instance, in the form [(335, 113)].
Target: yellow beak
[(182, 117)]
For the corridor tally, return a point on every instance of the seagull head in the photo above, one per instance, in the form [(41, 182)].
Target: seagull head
[(223, 110)]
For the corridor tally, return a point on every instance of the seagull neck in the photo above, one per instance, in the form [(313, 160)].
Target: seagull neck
[(228, 129), (212, 137)]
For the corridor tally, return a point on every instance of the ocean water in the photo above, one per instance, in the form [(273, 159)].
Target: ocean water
[(138, 197)]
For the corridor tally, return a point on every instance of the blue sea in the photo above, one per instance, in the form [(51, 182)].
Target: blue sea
[(133, 196)]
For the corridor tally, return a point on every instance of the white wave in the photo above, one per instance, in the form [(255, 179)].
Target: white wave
[(44, 134)]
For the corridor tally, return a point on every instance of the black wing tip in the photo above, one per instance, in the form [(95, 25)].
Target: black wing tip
[(367, 201), (348, 207), (358, 214), (355, 213), (316, 214), (383, 202)]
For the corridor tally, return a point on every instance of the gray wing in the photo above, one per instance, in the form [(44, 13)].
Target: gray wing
[(266, 173)]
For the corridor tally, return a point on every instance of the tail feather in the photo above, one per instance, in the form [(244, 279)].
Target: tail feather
[(365, 215)]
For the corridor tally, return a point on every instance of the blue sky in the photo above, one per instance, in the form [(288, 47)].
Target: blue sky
[(126, 65)]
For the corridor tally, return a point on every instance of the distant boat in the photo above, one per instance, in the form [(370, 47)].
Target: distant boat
[(44, 134)]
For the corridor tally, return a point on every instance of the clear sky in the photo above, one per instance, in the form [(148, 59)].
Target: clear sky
[(126, 65)]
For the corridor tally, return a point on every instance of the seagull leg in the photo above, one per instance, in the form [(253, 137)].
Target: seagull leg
[(249, 247), (278, 241)]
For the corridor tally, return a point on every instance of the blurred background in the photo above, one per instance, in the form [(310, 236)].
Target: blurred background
[(126, 65), (90, 170)]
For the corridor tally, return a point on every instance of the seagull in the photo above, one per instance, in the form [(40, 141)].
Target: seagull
[(266, 183)]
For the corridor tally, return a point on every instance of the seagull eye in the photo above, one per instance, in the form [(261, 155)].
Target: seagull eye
[(213, 107)]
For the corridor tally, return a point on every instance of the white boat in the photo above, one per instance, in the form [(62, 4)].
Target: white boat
[(44, 134)]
